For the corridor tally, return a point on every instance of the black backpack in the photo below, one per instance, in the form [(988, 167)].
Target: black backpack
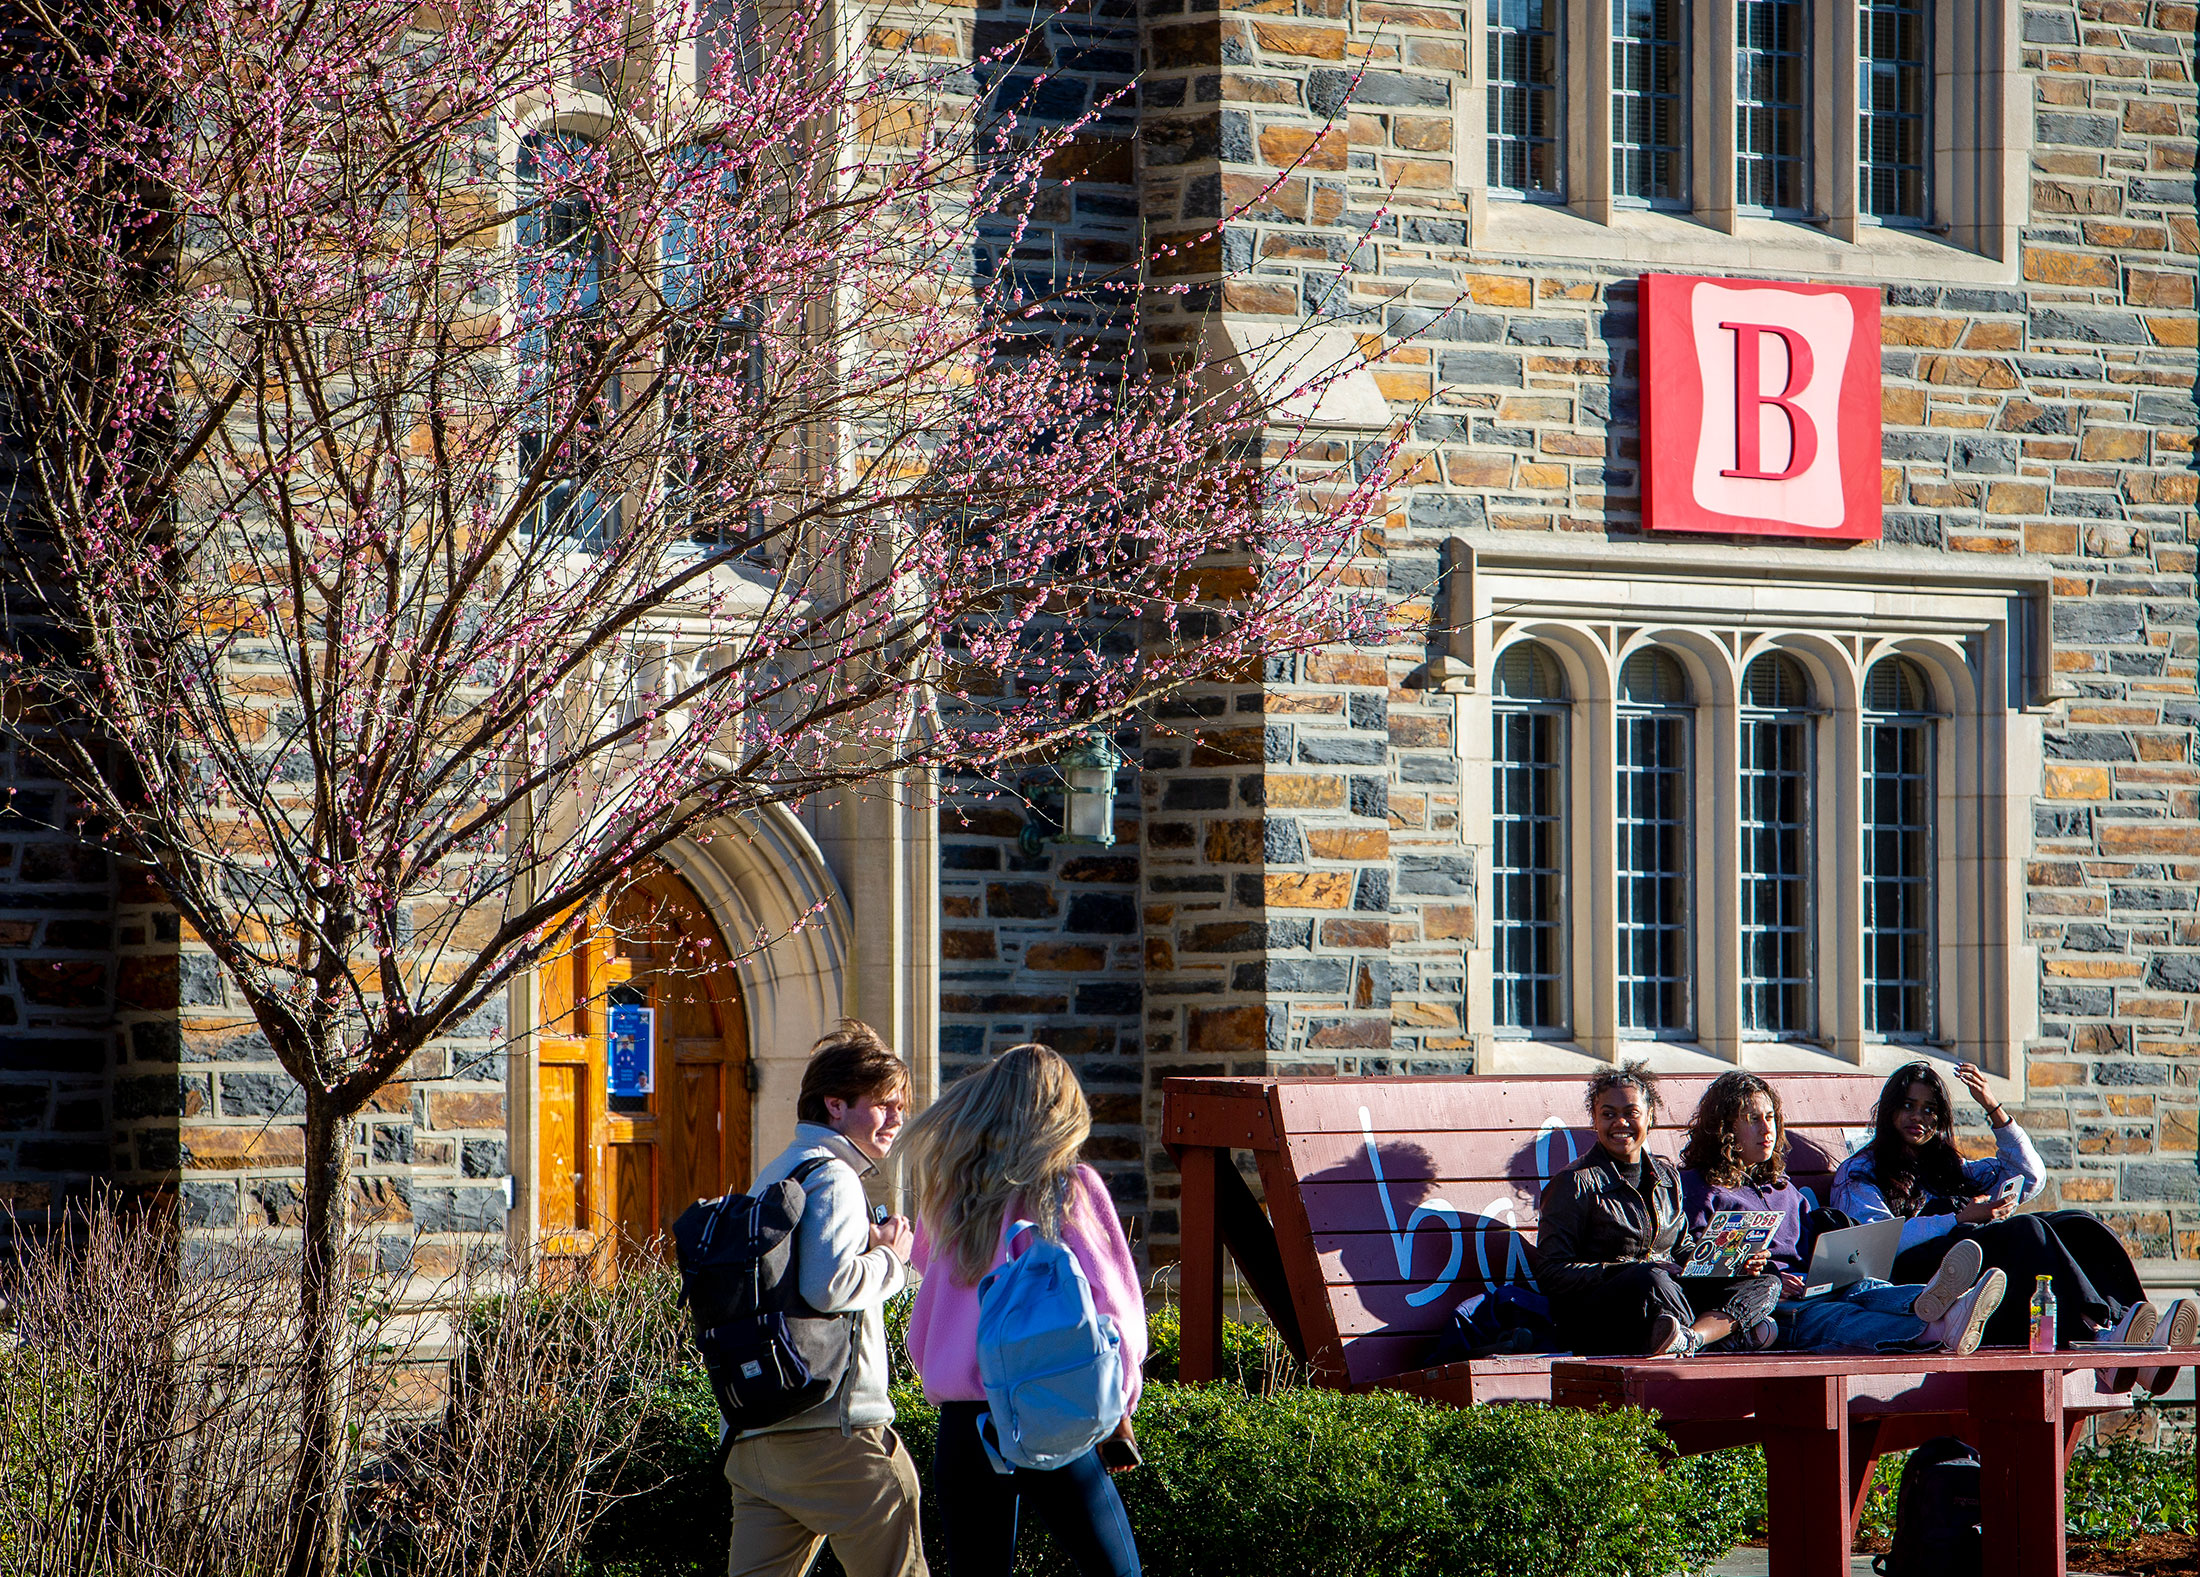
[(1936, 1514), (769, 1354)]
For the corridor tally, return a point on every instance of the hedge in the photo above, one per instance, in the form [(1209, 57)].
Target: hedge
[(1300, 1481)]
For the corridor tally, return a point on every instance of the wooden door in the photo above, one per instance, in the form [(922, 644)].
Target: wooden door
[(616, 1169)]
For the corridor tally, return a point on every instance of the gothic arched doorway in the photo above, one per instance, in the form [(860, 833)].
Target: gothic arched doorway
[(615, 1159)]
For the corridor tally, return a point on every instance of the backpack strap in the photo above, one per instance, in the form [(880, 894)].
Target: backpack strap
[(1016, 1229), (801, 1176)]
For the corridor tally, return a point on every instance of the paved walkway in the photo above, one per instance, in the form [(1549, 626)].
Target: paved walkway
[(1754, 1563)]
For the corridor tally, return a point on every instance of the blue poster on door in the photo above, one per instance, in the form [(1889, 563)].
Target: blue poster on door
[(629, 1067)]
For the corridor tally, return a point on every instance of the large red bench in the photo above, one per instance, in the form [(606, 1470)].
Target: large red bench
[(1390, 1201)]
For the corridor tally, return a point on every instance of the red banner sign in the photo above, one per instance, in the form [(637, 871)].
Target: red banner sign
[(1760, 407)]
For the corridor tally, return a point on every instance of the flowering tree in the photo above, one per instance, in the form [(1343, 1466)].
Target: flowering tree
[(465, 448)]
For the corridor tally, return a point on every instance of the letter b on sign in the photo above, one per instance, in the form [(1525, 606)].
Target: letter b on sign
[(1760, 408)]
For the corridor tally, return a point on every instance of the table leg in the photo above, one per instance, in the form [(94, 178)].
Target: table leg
[(1807, 1474), (2019, 1419), (1199, 1267)]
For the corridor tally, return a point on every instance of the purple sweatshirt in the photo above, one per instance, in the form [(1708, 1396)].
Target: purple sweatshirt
[(1703, 1198)]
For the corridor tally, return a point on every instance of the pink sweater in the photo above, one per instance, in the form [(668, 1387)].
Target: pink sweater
[(943, 1326)]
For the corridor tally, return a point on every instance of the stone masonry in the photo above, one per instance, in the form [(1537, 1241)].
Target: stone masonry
[(1307, 889), (1293, 888)]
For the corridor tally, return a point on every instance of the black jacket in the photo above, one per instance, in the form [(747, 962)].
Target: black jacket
[(1590, 1224)]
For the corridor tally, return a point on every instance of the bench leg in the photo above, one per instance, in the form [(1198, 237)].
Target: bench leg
[(1807, 1474), (1863, 1460), (1199, 1267), (2022, 1440)]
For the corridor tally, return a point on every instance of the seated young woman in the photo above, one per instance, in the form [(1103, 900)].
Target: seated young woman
[(1735, 1158), (1911, 1168), (1612, 1235)]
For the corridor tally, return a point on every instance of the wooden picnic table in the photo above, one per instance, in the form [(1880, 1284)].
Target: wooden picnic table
[(1824, 1419)]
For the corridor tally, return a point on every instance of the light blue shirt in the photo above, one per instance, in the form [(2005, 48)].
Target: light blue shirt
[(1856, 1191)]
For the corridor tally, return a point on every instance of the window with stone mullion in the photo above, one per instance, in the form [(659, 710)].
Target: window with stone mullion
[(1772, 106), (1524, 86), (1775, 843), (1894, 106), (1897, 855), (1653, 873), (1528, 826), (1650, 47)]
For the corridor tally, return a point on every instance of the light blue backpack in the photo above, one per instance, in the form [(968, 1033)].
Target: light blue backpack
[(1051, 1364)]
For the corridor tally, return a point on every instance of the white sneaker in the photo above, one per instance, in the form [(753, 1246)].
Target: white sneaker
[(2137, 1326), (1958, 1274), (1960, 1329), (2179, 1329)]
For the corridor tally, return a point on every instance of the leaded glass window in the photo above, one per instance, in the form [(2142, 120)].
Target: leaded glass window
[(1650, 99), (1525, 132), (1528, 834), (1656, 719), (1771, 104), (569, 395), (711, 366), (1894, 102), (1898, 851), (1776, 846)]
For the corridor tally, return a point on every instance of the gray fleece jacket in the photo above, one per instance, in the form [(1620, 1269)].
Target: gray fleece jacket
[(840, 1273)]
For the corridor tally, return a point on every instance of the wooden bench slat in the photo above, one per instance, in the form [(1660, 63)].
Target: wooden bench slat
[(1355, 1206), (1463, 1163), (1418, 1105), (1502, 1152)]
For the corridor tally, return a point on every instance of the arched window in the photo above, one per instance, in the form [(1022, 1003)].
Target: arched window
[(1898, 851), (570, 397), (1528, 837), (1776, 847), (1656, 715), (714, 355)]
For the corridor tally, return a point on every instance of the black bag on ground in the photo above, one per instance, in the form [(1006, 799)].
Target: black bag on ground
[(769, 1354), (1936, 1514)]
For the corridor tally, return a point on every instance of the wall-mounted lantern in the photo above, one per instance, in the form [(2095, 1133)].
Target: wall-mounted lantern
[(1087, 771)]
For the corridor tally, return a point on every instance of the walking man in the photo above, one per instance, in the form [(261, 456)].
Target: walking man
[(838, 1471)]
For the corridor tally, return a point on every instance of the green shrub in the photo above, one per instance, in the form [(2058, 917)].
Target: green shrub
[(1253, 1356), (1311, 1482), (2111, 1494), (2114, 1493)]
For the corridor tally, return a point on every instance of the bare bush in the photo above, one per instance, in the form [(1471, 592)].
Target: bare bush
[(147, 1408)]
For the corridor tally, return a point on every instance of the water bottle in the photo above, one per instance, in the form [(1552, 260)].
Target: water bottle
[(2043, 1314)]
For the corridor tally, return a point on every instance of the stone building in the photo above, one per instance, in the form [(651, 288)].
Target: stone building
[(1892, 754)]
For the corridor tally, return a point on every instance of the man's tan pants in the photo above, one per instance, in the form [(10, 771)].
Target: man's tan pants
[(794, 1490)]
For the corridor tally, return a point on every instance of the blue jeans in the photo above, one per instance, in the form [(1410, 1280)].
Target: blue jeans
[(1872, 1315), (978, 1508)]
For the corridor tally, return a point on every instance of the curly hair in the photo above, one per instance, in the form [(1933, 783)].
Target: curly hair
[(1710, 1148), (1636, 1073)]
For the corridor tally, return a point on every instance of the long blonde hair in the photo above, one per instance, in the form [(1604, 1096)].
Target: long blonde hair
[(1014, 1128)]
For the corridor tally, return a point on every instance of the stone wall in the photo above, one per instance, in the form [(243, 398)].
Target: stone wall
[(1047, 949), (1308, 901), (60, 1049)]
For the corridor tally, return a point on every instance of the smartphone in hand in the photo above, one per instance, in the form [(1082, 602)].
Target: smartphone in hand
[(1118, 1452), (2010, 1188)]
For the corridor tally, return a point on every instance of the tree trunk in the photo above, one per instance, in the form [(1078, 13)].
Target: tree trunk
[(317, 1509)]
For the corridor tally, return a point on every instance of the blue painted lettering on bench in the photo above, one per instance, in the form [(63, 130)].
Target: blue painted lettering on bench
[(1401, 1239)]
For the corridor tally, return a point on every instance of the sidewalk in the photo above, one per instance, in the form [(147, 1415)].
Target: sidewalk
[(1755, 1563)]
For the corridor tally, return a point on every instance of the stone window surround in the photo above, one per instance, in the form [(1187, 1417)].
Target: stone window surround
[(1981, 634), (1980, 191)]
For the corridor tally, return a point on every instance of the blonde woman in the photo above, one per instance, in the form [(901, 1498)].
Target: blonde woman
[(1000, 1145)]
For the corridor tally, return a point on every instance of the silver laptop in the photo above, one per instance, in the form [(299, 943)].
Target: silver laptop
[(1854, 1254)]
